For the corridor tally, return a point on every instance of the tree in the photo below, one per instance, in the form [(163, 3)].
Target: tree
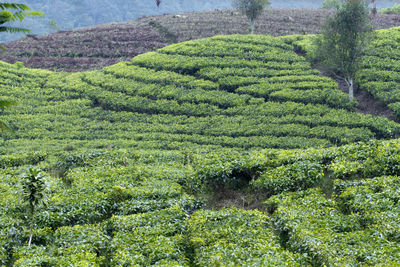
[(251, 8), (373, 8), (343, 40), (11, 12), (33, 188)]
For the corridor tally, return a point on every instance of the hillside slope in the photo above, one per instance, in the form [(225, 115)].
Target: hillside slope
[(234, 91), (103, 45), (131, 154)]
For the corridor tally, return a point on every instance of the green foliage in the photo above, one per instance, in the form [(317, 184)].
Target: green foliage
[(395, 9), (291, 177), (357, 227), (251, 8), (134, 139), (344, 39), (225, 97), (149, 239), (33, 194), (231, 237), (32, 158), (276, 171), (380, 72), (331, 4), (14, 12)]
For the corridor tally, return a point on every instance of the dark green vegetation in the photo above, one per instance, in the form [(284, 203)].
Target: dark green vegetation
[(11, 12), (104, 45), (130, 154), (252, 9), (395, 9)]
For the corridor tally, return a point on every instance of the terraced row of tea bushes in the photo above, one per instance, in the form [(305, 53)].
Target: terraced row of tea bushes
[(333, 206), (381, 72), (181, 94), (234, 237), (129, 208), (107, 108), (359, 226), (277, 171), (115, 208), (252, 129), (266, 63)]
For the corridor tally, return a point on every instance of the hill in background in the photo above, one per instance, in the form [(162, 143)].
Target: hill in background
[(70, 15), (103, 45)]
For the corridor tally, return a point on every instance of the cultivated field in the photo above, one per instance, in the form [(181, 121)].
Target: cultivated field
[(229, 150), (133, 153)]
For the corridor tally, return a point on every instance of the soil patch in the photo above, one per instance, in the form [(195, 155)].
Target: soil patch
[(242, 199)]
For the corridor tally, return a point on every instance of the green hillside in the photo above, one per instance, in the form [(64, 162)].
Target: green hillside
[(133, 154), (245, 92), (381, 73)]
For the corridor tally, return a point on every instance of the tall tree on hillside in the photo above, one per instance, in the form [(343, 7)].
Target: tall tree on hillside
[(344, 39), (251, 8)]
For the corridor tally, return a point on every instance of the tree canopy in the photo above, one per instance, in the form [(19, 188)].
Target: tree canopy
[(343, 40), (251, 8), (14, 12)]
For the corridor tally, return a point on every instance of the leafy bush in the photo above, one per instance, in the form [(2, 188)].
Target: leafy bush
[(236, 237)]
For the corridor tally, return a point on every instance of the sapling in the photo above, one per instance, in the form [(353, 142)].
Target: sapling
[(251, 8), (33, 195), (344, 39)]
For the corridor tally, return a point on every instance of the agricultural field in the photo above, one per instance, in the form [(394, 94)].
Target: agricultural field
[(380, 74), (132, 155), (245, 93), (99, 46), (120, 208)]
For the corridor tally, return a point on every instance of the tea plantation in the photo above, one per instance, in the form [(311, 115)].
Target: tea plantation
[(380, 75), (131, 153)]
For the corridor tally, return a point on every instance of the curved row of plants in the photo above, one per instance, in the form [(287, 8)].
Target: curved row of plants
[(325, 207), (115, 197), (155, 101), (381, 74)]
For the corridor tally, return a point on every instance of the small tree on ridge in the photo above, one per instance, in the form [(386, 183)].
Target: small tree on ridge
[(251, 8), (343, 41)]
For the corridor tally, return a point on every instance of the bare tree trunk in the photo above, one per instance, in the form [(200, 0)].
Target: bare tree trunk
[(252, 25), (351, 89), (373, 7), (31, 232)]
